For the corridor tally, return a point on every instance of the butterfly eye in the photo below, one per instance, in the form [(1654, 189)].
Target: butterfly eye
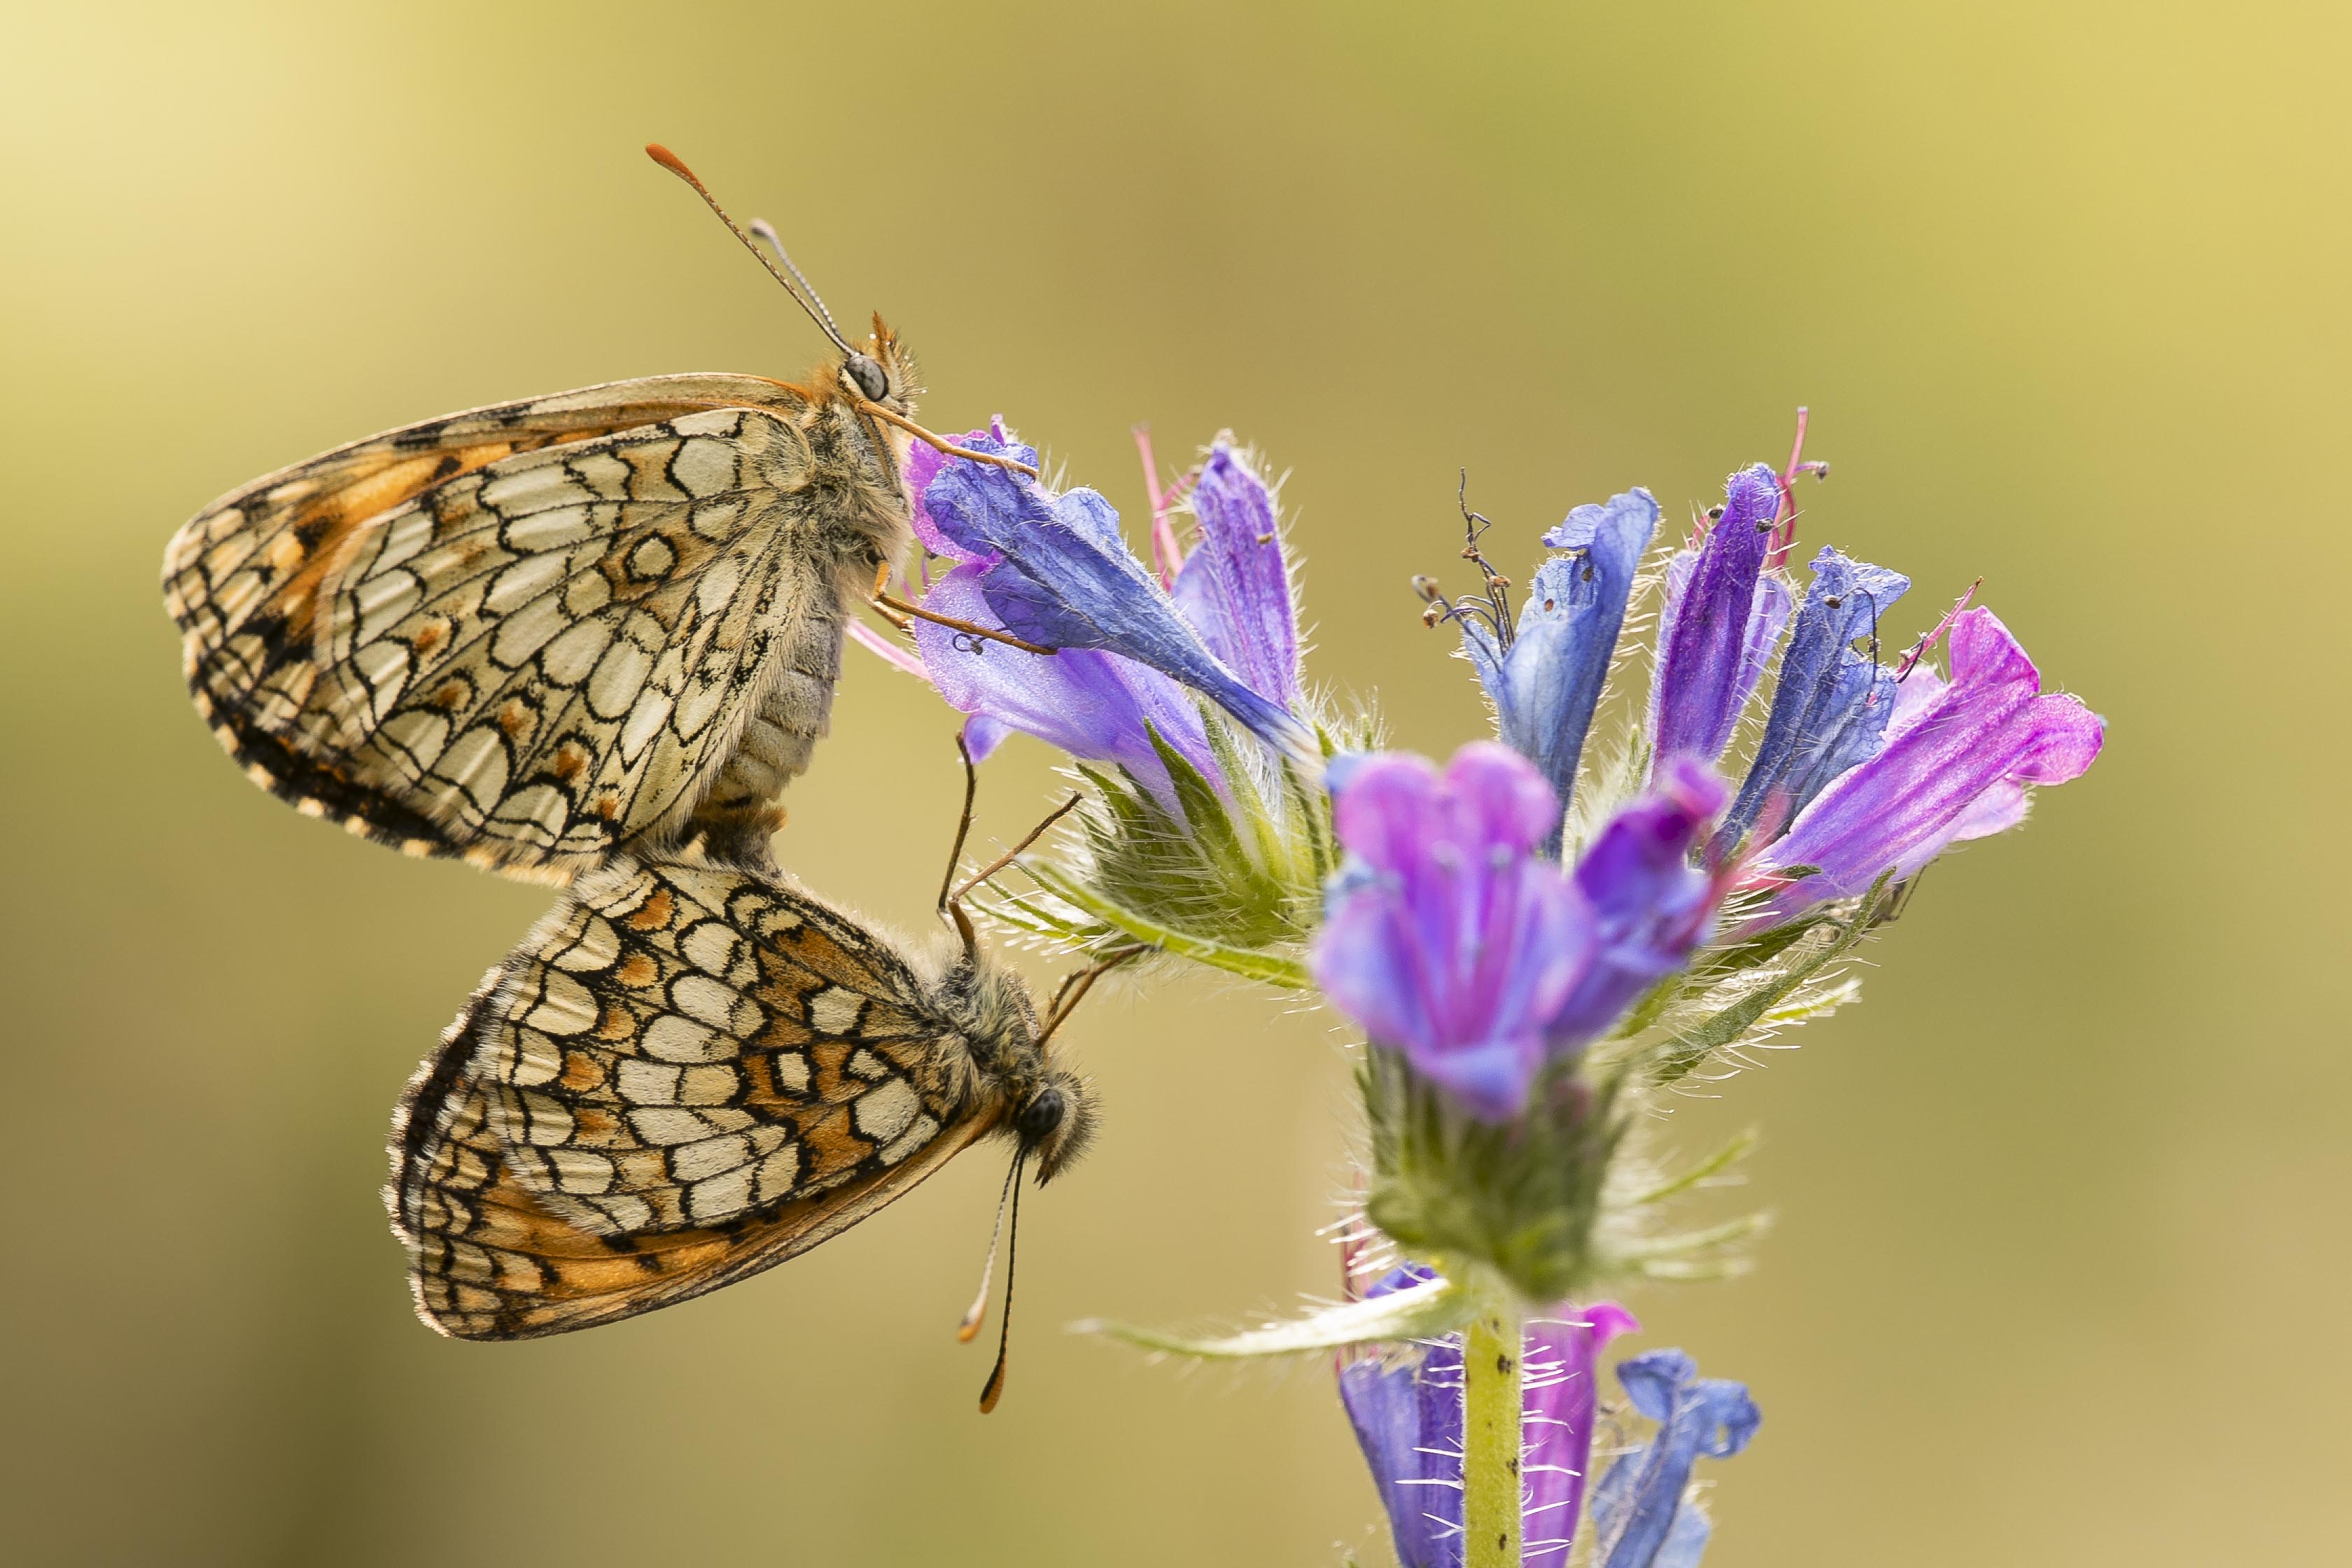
[(1041, 1116), (869, 376)]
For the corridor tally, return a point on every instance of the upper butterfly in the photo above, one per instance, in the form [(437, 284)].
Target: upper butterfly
[(533, 634)]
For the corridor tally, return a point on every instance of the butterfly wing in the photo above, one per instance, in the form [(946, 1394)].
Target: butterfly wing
[(524, 634), (688, 1074)]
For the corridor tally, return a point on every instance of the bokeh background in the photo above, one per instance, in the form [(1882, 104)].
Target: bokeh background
[(2063, 1251)]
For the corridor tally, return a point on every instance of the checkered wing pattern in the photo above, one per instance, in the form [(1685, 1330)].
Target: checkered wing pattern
[(688, 1074), (525, 635)]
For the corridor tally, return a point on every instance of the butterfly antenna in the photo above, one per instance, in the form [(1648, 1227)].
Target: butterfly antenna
[(977, 1313), (807, 302), (993, 1390), (765, 230)]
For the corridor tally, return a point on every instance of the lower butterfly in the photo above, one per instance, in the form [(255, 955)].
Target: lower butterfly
[(537, 632), (689, 1072)]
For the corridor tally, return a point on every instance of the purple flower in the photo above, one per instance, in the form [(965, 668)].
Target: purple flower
[(1407, 1419), (1547, 683), (1235, 587), (1957, 760), (1054, 569), (1723, 614), (1457, 943), (1650, 908), (1639, 1517), (1831, 705), (1095, 706), (1451, 938)]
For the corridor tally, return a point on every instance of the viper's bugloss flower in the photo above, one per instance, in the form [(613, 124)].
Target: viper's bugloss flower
[(1452, 939), (1956, 763), (1406, 1408), (1052, 570), (1095, 706), (1722, 616), (1233, 587), (1641, 1518), (1546, 683), (1651, 907), (1831, 703)]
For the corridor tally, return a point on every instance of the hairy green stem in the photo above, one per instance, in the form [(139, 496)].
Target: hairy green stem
[(1490, 1442)]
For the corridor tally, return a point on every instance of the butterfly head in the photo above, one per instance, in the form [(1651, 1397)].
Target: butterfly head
[(881, 372), (1049, 1109), (1057, 1123)]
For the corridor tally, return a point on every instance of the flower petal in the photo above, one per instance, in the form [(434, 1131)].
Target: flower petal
[(1446, 937), (1561, 1365), (1062, 576), (1546, 688), (1947, 749), (1717, 628), (1638, 1509), (1652, 908), (1830, 707), (1502, 803), (944, 523), (1235, 587), (1092, 705)]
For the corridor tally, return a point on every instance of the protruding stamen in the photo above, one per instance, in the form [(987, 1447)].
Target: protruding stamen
[(1920, 650), (1784, 525)]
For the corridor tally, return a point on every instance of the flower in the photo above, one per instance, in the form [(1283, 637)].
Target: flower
[(1640, 1517), (1095, 706), (1723, 614), (1545, 681), (1956, 763), (1234, 585), (1458, 944), (1830, 704), (1651, 907), (1450, 939), (1408, 1417), (1052, 570)]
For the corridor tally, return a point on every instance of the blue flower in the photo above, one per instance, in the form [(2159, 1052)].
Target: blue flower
[(1547, 682), (1407, 1413), (1722, 616), (1052, 570), (1451, 938), (1640, 1517), (1831, 703)]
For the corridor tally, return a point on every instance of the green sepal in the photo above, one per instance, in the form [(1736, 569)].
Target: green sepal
[(1686, 1047), (1714, 1164), (1519, 1199), (1248, 963)]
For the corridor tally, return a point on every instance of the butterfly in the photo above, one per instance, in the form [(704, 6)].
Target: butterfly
[(692, 1070), (531, 634)]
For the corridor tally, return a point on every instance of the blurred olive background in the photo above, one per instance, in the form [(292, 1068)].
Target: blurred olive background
[(2062, 1255)]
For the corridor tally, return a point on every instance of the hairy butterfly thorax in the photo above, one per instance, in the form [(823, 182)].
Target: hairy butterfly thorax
[(533, 634)]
